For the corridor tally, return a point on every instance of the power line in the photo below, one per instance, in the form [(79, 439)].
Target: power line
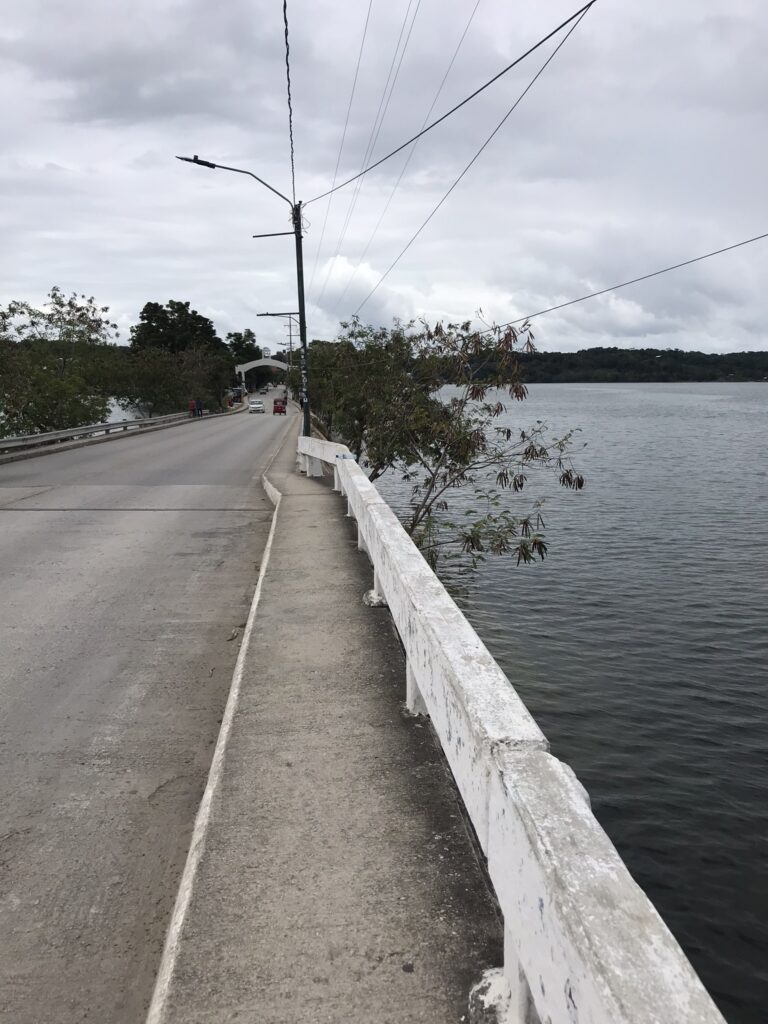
[(410, 155), (368, 148), (392, 87), (636, 280), (366, 152), (495, 131), (290, 104), (384, 102), (341, 146), (458, 106)]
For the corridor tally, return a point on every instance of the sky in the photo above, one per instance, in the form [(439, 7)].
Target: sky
[(643, 143)]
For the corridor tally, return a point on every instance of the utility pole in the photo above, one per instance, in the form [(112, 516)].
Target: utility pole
[(290, 342), (296, 213)]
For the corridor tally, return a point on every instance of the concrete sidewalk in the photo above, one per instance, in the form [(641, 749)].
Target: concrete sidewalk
[(337, 883)]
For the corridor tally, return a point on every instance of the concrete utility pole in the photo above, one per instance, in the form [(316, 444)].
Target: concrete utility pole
[(297, 233)]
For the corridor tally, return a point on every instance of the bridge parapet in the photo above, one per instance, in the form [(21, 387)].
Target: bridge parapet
[(583, 944)]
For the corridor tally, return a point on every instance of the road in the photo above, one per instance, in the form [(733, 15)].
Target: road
[(127, 569)]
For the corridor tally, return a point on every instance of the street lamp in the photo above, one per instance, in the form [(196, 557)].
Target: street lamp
[(296, 221)]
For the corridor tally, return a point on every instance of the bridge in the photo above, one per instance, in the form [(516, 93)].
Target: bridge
[(234, 789), (242, 368)]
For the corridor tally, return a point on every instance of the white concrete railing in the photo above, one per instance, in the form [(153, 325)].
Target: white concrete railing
[(582, 942)]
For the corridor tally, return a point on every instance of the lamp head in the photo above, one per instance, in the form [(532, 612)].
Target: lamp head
[(196, 160)]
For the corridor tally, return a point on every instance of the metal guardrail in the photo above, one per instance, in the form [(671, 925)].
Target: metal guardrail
[(582, 942), (91, 430)]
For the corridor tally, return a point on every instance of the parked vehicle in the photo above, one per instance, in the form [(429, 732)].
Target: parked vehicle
[(255, 405), (278, 407)]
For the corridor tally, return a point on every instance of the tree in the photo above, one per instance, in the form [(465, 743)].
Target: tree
[(242, 346), (206, 375), (55, 363), (384, 393), (153, 381), (356, 382), (201, 365), (148, 381), (174, 327)]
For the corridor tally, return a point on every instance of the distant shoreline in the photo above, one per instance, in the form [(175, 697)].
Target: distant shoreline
[(643, 366), (636, 380)]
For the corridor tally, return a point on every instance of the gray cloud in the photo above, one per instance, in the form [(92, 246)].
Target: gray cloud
[(643, 144)]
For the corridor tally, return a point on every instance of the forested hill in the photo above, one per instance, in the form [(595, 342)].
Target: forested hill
[(642, 364)]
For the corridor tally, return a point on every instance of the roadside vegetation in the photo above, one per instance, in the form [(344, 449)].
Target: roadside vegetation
[(62, 365), (425, 402)]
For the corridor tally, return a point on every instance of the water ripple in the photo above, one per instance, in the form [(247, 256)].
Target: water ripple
[(641, 648)]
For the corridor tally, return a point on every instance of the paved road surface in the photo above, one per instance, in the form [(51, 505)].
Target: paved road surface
[(126, 567)]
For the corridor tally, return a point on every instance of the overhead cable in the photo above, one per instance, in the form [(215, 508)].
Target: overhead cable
[(378, 121), (408, 158), (635, 280), (341, 147), (495, 131), (290, 103), (458, 106)]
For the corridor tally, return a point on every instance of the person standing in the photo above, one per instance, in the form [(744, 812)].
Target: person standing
[(192, 407), (199, 406)]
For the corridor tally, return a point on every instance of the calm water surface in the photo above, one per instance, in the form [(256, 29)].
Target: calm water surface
[(641, 648)]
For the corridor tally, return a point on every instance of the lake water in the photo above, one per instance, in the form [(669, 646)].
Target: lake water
[(641, 647)]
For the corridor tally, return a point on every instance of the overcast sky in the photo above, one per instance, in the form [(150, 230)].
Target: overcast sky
[(644, 143)]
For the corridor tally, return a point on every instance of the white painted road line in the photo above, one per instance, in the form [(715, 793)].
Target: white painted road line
[(156, 1012)]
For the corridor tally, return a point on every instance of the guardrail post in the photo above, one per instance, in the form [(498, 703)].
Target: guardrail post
[(413, 699), (375, 598), (502, 995), (311, 466), (338, 483), (521, 1008)]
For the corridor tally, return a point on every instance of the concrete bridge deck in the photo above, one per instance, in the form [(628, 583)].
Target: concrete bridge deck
[(127, 570), (330, 874), (336, 880)]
